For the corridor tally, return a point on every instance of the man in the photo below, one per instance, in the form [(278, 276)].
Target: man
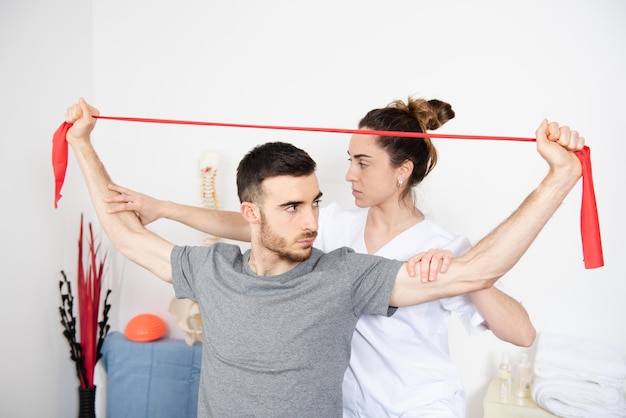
[(278, 319)]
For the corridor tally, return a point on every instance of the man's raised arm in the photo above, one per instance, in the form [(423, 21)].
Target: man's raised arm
[(124, 229), (499, 251)]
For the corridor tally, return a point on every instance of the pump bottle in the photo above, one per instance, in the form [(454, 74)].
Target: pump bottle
[(504, 376), (523, 377)]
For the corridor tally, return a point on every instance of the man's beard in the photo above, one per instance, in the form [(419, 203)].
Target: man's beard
[(279, 245)]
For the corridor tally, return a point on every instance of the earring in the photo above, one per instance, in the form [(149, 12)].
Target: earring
[(400, 182)]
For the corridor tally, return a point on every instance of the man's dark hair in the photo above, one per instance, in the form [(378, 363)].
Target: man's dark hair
[(270, 160)]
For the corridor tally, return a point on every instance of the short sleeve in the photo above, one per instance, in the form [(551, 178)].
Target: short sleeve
[(375, 278), (183, 274)]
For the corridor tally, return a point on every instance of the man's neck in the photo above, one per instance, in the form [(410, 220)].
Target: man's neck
[(267, 263)]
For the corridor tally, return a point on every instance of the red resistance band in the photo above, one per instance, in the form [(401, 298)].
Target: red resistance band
[(589, 224)]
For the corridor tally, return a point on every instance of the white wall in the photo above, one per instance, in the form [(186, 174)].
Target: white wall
[(46, 62), (503, 67)]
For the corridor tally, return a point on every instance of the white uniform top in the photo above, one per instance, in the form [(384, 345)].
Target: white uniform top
[(400, 365)]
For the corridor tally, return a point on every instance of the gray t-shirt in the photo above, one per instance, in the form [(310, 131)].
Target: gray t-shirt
[(278, 346)]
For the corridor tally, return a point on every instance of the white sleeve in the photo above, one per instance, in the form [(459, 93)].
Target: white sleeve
[(462, 305), (468, 313)]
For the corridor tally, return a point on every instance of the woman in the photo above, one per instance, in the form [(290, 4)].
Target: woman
[(400, 365)]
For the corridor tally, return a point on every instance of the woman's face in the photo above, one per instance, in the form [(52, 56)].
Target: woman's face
[(374, 180)]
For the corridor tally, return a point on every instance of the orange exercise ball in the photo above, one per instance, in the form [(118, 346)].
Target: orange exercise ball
[(145, 327)]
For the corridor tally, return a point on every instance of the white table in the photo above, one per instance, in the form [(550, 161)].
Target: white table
[(511, 407)]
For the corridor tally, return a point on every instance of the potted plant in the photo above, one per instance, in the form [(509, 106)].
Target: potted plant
[(86, 336)]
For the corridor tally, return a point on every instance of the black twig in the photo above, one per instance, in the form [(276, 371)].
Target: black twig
[(103, 325), (68, 320)]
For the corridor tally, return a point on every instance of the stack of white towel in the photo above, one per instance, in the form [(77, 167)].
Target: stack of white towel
[(578, 377)]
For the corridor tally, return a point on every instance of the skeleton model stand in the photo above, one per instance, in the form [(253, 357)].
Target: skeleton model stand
[(209, 164), (186, 311)]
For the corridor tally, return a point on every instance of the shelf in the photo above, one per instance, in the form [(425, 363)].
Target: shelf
[(512, 407)]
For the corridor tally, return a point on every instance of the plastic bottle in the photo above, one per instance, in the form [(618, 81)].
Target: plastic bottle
[(523, 377), (504, 375)]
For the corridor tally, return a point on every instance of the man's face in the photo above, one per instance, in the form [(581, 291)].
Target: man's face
[(289, 215)]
